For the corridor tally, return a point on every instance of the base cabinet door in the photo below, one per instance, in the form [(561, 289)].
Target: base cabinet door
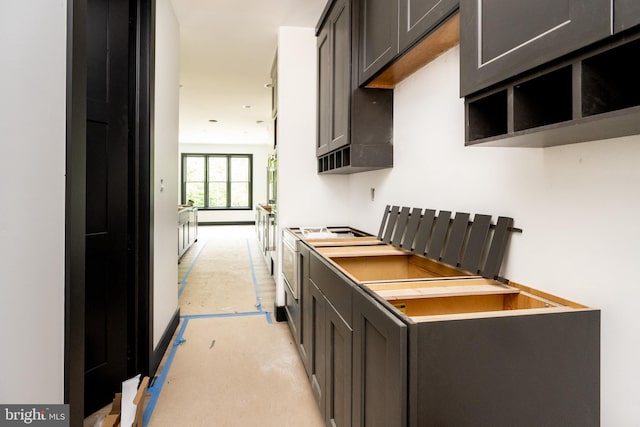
[(379, 365), (338, 369), (317, 365), (305, 332)]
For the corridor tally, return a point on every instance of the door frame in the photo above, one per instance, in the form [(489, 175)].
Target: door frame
[(140, 321)]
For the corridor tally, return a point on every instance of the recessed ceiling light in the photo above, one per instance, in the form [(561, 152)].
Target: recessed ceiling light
[(213, 121), (246, 106), (259, 121)]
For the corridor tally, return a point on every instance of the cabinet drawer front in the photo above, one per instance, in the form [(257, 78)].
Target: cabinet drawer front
[(335, 288)]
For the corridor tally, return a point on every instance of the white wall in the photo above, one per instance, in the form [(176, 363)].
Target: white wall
[(165, 215), (577, 204), (304, 197), (32, 195), (260, 156)]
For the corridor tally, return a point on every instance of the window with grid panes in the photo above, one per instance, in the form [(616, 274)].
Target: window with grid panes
[(217, 181)]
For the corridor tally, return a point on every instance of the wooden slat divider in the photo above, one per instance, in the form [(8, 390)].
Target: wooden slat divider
[(401, 226), (440, 230), (424, 231), (497, 248), (412, 227), (391, 224), (458, 232), (476, 243), (385, 217)]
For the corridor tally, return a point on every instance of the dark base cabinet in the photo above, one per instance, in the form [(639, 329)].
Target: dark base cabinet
[(379, 364), (461, 351), (526, 371), (331, 348)]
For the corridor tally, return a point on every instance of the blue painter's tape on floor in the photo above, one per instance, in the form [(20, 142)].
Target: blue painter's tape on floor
[(183, 282), (221, 315), (155, 390)]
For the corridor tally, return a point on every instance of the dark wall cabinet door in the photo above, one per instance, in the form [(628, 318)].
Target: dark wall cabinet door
[(379, 365), (378, 35), (626, 14), (418, 17), (355, 125), (500, 39), (334, 79)]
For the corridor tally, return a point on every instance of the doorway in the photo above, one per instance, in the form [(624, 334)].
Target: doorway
[(108, 254)]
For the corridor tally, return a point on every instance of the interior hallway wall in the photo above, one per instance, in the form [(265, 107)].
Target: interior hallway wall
[(165, 215), (304, 197), (578, 206), (32, 192)]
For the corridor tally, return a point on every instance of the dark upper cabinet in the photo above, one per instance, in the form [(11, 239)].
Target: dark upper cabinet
[(378, 35), (626, 14), (355, 126), (500, 39), (418, 17), (388, 28), (333, 82)]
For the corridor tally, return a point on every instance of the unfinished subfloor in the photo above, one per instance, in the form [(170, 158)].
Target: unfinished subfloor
[(229, 363)]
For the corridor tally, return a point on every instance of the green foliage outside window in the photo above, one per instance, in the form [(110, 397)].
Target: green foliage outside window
[(227, 184)]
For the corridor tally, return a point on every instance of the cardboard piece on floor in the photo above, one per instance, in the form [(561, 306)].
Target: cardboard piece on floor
[(113, 419)]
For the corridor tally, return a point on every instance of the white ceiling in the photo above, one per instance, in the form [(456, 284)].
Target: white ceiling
[(227, 48)]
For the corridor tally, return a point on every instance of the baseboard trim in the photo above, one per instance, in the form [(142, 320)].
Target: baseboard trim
[(228, 223), (161, 349), (280, 313)]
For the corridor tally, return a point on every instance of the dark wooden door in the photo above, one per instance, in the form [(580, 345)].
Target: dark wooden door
[(379, 365), (340, 74), (334, 83), (500, 39), (338, 336), (107, 195), (324, 91), (418, 17), (304, 298), (317, 366), (626, 14), (378, 35)]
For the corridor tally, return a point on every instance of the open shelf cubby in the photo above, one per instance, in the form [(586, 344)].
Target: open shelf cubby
[(543, 100), (487, 116), (335, 160), (611, 80), (591, 95)]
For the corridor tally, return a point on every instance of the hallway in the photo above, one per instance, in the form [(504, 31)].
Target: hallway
[(230, 363)]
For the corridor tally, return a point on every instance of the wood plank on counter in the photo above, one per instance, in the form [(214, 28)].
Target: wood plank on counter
[(360, 251)]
